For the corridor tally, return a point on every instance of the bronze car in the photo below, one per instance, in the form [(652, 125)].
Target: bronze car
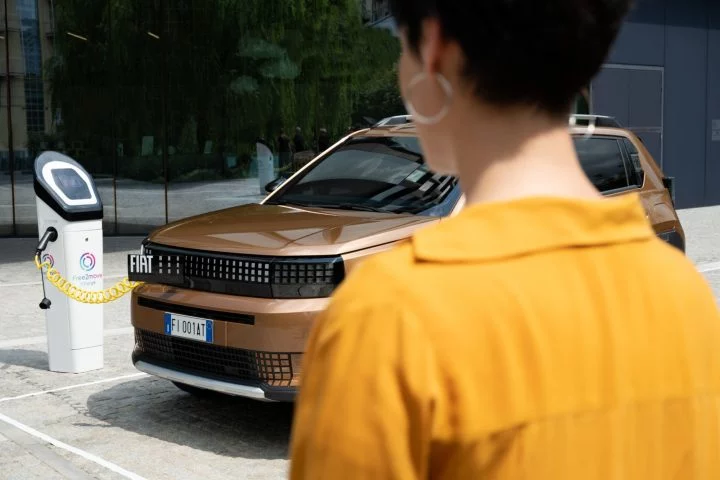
[(250, 280)]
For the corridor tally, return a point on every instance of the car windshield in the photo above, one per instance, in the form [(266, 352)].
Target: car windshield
[(385, 174)]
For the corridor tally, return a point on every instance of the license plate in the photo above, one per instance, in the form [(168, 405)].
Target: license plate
[(192, 328)]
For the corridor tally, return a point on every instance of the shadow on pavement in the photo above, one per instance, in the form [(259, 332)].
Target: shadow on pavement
[(227, 426), (15, 250), (25, 358)]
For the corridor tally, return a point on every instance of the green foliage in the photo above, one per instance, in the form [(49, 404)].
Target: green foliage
[(379, 100), (227, 71)]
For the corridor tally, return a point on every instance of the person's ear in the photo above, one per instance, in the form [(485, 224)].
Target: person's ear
[(432, 45)]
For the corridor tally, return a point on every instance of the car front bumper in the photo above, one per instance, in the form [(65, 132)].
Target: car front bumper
[(261, 392), (256, 351)]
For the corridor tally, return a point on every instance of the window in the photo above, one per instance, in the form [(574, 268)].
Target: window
[(375, 173), (602, 160), (637, 175), (31, 48), (581, 106)]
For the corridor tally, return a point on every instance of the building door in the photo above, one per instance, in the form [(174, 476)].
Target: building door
[(634, 96)]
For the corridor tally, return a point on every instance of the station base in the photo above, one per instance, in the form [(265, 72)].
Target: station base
[(77, 361)]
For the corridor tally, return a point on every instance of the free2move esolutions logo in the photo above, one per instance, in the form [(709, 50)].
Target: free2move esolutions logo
[(87, 264), (49, 259), (87, 261)]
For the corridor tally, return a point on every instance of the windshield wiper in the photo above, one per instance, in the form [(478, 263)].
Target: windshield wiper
[(350, 206), (335, 206), (362, 208), (291, 204)]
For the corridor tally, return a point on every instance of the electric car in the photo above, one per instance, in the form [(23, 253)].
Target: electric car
[(249, 281)]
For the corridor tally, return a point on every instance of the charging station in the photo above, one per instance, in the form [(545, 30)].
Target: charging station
[(70, 212)]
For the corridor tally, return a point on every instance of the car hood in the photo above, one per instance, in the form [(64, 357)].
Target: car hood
[(288, 231)]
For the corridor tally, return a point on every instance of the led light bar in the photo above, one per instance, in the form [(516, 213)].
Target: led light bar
[(253, 276)]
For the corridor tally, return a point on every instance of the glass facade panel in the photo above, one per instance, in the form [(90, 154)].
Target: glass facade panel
[(164, 101), (6, 201)]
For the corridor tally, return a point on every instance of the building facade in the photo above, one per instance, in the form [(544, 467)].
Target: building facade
[(28, 28), (163, 101), (662, 80), (25, 107)]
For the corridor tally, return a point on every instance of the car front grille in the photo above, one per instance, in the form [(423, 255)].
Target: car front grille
[(255, 276), (242, 270), (228, 363)]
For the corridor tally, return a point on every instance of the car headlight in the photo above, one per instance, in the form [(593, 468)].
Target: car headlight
[(673, 238), (306, 278), (145, 241)]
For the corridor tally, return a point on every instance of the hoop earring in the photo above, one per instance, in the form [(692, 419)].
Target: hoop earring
[(433, 119)]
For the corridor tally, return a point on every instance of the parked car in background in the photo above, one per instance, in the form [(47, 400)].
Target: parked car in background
[(396, 120), (253, 277)]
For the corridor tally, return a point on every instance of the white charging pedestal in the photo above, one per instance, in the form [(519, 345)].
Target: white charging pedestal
[(68, 201), (265, 165)]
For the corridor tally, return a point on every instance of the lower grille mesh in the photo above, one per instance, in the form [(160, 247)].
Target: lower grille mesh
[(232, 363)]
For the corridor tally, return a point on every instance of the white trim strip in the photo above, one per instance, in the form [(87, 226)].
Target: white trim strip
[(202, 382), (19, 342), (71, 387), (69, 448), (62, 165)]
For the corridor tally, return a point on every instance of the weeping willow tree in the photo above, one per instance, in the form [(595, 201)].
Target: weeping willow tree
[(211, 74)]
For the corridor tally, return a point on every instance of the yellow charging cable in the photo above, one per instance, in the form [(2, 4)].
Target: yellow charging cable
[(121, 288)]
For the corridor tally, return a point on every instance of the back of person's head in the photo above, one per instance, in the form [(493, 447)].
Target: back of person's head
[(536, 53)]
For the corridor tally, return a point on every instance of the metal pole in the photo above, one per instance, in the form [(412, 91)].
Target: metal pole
[(113, 114), (165, 91), (54, 25), (11, 150)]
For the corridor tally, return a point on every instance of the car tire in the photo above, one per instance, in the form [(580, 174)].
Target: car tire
[(195, 391)]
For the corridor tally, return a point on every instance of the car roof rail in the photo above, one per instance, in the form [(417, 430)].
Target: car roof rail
[(575, 119), (394, 120), (595, 120)]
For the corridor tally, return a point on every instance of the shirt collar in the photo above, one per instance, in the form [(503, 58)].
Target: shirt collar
[(506, 229)]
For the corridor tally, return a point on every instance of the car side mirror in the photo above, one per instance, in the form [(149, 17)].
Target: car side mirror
[(669, 184), (275, 184)]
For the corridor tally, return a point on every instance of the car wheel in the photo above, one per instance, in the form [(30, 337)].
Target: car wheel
[(196, 391)]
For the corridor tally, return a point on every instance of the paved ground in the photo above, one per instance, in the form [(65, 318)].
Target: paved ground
[(116, 423), (141, 424)]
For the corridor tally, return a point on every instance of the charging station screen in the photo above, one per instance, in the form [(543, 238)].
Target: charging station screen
[(71, 184)]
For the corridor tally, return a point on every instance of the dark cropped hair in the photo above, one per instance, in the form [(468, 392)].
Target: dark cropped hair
[(538, 53)]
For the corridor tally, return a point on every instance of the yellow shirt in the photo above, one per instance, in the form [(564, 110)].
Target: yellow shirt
[(542, 338)]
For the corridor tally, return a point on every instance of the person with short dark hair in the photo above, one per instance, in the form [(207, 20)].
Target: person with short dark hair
[(299, 140), (284, 150), (323, 140), (544, 332)]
